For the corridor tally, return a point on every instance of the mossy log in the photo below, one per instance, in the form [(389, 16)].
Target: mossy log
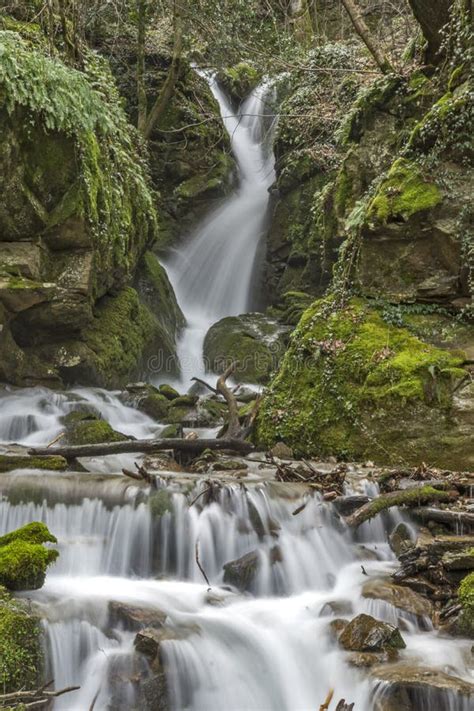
[(410, 497), (191, 446)]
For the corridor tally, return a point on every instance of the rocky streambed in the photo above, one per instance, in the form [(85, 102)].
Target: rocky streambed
[(239, 582)]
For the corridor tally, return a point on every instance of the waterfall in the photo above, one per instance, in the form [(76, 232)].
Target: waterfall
[(212, 273)]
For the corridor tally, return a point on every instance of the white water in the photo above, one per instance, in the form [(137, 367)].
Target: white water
[(212, 273), (266, 651)]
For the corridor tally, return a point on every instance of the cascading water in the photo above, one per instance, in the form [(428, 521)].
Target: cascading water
[(212, 274), (269, 649)]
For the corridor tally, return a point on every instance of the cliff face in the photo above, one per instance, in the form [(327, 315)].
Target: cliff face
[(76, 216), (397, 219)]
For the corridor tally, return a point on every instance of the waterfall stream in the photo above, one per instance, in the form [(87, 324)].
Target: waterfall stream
[(212, 273), (268, 649)]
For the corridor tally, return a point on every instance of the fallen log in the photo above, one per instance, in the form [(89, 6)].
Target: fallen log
[(137, 446), (451, 518), (408, 497)]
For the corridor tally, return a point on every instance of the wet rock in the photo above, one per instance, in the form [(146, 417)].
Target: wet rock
[(241, 573), (346, 505), (400, 539), (281, 451), (168, 391), (370, 659), (407, 688), (148, 641), (459, 560), (366, 634), (172, 431), (153, 693), (257, 343), (229, 465), (154, 405), (403, 598), (87, 428), (337, 607), (337, 626), (141, 389), (134, 618), (184, 401)]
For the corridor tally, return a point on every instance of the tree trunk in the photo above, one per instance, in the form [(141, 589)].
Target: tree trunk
[(432, 17), (141, 89), (191, 446), (364, 33), (166, 92)]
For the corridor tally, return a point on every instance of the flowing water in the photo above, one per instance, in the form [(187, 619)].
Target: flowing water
[(270, 649), (213, 274)]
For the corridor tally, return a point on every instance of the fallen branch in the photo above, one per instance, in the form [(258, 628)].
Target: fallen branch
[(233, 426), (192, 446), (324, 706), (34, 697), (409, 497), (140, 475), (198, 563), (206, 385)]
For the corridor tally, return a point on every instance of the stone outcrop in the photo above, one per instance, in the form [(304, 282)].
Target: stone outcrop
[(76, 216)]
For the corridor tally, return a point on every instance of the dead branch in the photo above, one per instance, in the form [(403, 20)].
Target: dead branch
[(35, 698), (140, 475), (233, 427), (325, 705), (198, 562), (366, 36), (206, 385), (138, 446), (56, 439), (342, 706)]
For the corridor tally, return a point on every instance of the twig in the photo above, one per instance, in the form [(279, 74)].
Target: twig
[(206, 385), (325, 705), (201, 493), (56, 439), (198, 562)]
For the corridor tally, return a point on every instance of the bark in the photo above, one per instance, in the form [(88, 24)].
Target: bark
[(366, 36), (451, 518), (432, 17), (233, 426), (192, 446), (409, 497), (141, 90), (168, 87)]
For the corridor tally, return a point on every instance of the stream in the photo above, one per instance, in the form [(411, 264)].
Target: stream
[(268, 650)]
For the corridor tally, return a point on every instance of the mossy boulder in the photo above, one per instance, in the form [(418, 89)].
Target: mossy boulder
[(155, 406), (366, 634), (20, 645), (239, 80), (255, 341), (354, 386), (168, 391), (85, 428), (24, 559)]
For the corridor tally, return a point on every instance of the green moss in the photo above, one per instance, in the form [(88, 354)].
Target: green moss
[(176, 415), (10, 463), (240, 79), (155, 406), (35, 532), (122, 332), (168, 391), (157, 293), (20, 649), (185, 401), (93, 432), (466, 598), (349, 382), (23, 558), (403, 193)]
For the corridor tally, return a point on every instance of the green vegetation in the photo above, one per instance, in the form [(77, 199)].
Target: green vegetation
[(403, 193), (350, 383), (239, 80), (23, 558), (20, 649), (160, 503), (9, 463), (466, 598)]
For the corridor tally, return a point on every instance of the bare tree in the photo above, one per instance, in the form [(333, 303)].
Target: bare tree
[(364, 33)]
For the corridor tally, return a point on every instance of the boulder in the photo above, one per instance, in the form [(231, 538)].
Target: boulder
[(20, 645), (256, 342), (402, 687), (401, 597), (400, 539), (342, 391), (366, 634), (168, 391), (155, 405), (23, 557), (134, 618), (239, 80), (87, 428), (241, 573)]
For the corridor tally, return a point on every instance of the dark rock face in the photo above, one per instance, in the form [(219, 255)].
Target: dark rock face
[(135, 618), (366, 634), (241, 572)]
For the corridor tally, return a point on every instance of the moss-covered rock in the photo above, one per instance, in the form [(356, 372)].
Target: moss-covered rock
[(20, 647), (23, 558), (466, 598), (84, 428), (239, 80), (352, 385), (168, 391), (155, 406), (255, 341), (76, 214)]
